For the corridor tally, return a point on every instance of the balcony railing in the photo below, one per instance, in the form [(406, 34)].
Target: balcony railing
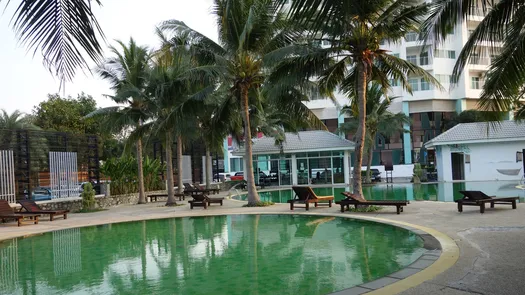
[(484, 61)]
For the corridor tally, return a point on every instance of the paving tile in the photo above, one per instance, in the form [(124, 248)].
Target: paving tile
[(429, 257), (404, 273), (352, 291), (422, 263), (379, 283)]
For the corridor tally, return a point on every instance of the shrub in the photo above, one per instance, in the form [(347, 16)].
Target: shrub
[(123, 172), (365, 209), (260, 204), (417, 173), (88, 197)]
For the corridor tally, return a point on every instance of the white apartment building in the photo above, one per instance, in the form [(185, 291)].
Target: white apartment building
[(427, 106)]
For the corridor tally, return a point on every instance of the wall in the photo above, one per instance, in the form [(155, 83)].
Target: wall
[(75, 204), (485, 158)]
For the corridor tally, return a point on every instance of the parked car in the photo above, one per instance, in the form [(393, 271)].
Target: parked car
[(376, 175), (41, 194), (240, 176)]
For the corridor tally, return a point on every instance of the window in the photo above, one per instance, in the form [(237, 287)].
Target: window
[(396, 55), (440, 53), (423, 58), (414, 84), (424, 85), (394, 82), (444, 79), (326, 43), (412, 59), (475, 83), (412, 37)]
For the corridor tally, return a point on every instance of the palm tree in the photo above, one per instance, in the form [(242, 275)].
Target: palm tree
[(503, 27), (379, 120), (60, 29), (254, 37), (15, 120), (178, 99), (356, 30), (128, 73)]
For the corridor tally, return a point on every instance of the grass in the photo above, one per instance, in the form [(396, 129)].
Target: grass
[(365, 209), (260, 204), (91, 210)]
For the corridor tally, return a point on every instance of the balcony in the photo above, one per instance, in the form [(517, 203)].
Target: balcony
[(479, 63), (412, 39), (476, 14)]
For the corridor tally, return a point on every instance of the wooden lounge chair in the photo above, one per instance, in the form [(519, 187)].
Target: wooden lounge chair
[(154, 197), (355, 200), (305, 195), (196, 189), (478, 198), (203, 200), (31, 207), (6, 212), (212, 190)]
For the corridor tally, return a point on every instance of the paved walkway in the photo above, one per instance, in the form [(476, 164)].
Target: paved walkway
[(492, 245)]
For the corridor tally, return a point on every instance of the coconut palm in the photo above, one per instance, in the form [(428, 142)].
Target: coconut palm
[(60, 29), (128, 73), (502, 28), (356, 30), (15, 120), (254, 37), (379, 120), (178, 98)]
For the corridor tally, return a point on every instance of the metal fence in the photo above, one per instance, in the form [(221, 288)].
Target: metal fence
[(43, 165)]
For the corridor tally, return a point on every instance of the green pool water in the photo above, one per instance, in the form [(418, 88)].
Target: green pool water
[(445, 192), (237, 254)]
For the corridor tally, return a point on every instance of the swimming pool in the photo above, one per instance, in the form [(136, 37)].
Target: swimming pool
[(444, 192), (235, 254)]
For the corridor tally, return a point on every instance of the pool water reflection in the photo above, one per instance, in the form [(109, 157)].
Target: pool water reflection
[(238, 254), (444, 192)]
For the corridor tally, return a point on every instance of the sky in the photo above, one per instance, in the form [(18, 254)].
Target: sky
[(25, 82)]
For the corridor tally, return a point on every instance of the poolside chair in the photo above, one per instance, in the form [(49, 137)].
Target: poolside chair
[(201, 188), (355, 200), (6, 212), (202, 200), (190, 190), (305, 195), (478, 198), (31, 207)]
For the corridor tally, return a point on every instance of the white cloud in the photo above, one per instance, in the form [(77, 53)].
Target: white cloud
[(24, 80)]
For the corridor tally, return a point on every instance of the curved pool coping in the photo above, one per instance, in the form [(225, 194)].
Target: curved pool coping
[(441, 251)]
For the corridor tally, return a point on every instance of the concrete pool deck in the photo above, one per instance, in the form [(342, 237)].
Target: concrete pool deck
[(491, 245)]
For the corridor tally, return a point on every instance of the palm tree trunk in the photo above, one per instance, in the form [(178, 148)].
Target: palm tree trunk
[(207, 168), (179, 165), (253, 196), (142, 194), (361, 129), (369, 164), (169, 170)]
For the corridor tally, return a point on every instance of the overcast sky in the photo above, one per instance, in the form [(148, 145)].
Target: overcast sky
[(25, 82)]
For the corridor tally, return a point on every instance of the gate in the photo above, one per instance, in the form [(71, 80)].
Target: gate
[(7, 176), (64, 175)]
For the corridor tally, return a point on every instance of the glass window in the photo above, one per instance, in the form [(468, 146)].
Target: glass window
[(411, 37), (440, 53), (396, 55), (444, 79), (313, 154), (302, 171), (414, 84), (475, 83), (423, 59), (424, 85), (301, 155), (285, 172), (412, 59), (325, 154), (320, 170), (338, 153), (339, 169), (394, 82)]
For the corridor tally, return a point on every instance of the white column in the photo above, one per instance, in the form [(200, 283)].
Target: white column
[(347, 167), (294, 170)]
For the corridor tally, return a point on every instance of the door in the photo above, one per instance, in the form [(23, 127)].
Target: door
[(458, 166)]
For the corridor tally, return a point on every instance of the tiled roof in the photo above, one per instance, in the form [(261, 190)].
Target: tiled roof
[(480, 131), (302, 141)]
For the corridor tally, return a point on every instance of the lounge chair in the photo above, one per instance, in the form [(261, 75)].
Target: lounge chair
[(355, 200), (305, 195), (6, 212), (196, 189), (212, 190), (202, 200), (478, 198), (31, 207)]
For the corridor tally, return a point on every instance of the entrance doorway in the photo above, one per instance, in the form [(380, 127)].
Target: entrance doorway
[(458, 166)]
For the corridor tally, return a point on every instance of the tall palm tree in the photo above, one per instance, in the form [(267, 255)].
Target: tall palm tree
[(356, 30), (178, 98), (15, 120), (128, 73), (60, 29), (254, 37), (503, 27), (379, 120)]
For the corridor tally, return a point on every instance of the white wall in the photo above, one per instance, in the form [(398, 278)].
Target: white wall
[(485, 159)]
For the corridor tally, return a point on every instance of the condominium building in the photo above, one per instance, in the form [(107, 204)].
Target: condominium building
[(428, 107)]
